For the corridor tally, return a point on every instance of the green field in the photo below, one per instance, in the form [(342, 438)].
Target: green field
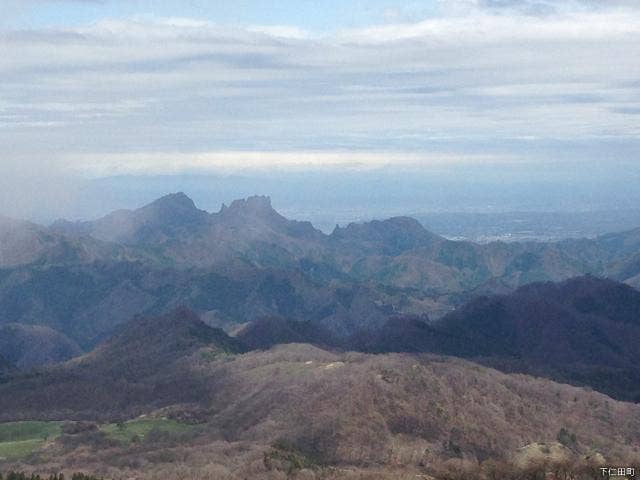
[(137, 429), (20, 439)]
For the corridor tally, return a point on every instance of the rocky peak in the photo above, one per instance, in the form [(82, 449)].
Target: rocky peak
[(173, 203), (254, 206)]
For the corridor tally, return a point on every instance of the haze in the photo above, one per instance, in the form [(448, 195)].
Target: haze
[(376, 107)]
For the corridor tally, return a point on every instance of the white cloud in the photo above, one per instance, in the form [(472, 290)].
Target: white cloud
[(177, 162), (137, 90)]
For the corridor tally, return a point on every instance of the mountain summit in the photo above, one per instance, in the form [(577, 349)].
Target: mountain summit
[(173, 205), (156, 222), (257, 205)]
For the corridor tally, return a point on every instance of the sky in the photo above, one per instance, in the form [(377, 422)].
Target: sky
[(97, 88)]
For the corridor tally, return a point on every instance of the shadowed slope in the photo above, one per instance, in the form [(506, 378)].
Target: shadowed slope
[(148, 345), (147, 364), (5, 367), (584, 331), (28, 346), (270, 331), (24, 243)]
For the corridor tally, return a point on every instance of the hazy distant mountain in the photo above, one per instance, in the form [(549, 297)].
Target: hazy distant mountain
[(175, 230), (28, 346), (88, 301), (23, 243), (583, 331), (247, 261), (389, 237), (627, 270), (158, 222), (398, 252)]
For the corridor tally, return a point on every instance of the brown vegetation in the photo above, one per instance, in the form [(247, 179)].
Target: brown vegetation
[(297, 411)]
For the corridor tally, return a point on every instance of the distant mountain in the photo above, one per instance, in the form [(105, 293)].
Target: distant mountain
[(627, 270), (29, 346), (176, 231), (398, 252), (148, 345), (24, 243), (88, 301), (157, 222), (267, 332), (247, 261), (584, 331), (620, 244), (389, 237)]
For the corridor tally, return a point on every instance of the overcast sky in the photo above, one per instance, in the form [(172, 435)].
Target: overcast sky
[(102, 87)]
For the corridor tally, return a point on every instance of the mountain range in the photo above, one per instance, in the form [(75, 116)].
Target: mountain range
[(246, 261)]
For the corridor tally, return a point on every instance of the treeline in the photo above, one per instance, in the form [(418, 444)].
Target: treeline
[(58, 476)]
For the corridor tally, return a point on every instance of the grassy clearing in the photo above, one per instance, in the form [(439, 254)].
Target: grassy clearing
[(136, 430), (21, 439)]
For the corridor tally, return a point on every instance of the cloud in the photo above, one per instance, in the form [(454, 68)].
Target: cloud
[(483, 76), (102, 165), (540, 7)]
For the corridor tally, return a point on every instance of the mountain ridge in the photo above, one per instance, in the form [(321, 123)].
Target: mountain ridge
[(398, 251), (581, 331), (247, 261)]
